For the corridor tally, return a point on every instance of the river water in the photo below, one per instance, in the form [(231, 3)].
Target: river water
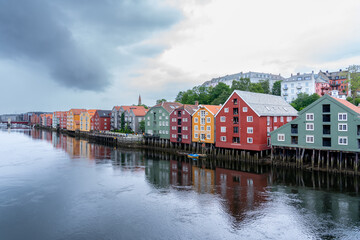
[(58, 187)]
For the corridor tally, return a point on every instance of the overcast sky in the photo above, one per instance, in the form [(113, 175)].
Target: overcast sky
[(62, 54)]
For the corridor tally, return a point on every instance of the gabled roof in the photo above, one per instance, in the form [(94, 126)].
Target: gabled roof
[(139, 112), (348, 104), (77, 111), (189, 108), (169, 106), (266, 104), (214, 109), (104, 113), (117, 108)]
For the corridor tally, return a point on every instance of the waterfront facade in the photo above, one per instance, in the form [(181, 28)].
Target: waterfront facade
[(56, 119), (73, 119), (114, 117), (180, 124), (85, 120), (203, 124), (157, 119), (246, 120), (63, 120), (135, 116), (327, 124), (101, 120)]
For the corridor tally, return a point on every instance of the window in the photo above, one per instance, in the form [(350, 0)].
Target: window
[(202, 120), (235, 120), (226, 110), (202, 113), (281, 137), (235, 101), (196, 135), (167, 123), (222, 119), (275, 119), (249, 140), (309, 126), (342, 116), (173, 127), (309, 138), (326, 108), (309, 117), (223, 138), (249, 118), (250, 130), (202, 128), (185, 136), (196, 128), (196, 120), (202, 136), (281, 119), (208, 128), (208, 119), (289, 119), (236, 129), (173, 119), (185, 119), (223, 129), (244, 109), (235, 111), (236, 140), (208, 136), (343, 140), (342, 127)]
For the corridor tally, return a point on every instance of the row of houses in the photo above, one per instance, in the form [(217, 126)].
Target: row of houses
[(255, 122)]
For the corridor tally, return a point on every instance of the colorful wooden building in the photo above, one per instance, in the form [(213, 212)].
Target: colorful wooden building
[(85, 117), (73, 119), (327, 124), (115, 118), (56, 119), (246, 120), (157, 122), (101, 120), (203, 124), (63, 120), (181, 122), (48, 119), (132, 117)]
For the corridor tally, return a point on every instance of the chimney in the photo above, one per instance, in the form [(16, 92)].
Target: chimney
[(196, 103), (340, 70)]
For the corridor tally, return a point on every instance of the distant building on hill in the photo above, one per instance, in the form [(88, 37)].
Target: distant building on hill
[(254, 77)]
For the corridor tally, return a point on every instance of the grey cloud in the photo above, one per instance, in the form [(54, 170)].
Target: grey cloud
[(55, 34)]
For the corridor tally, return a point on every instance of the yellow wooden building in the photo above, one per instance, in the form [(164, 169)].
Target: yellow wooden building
[(203, 124), (73, 119), (85, 120)]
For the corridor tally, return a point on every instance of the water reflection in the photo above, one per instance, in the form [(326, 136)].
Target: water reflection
[(289, 201)]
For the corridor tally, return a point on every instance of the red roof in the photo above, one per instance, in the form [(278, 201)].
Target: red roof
[(140, 112), (212, 108), (77, 111), (348, 104), (117, 108), (169, 106)]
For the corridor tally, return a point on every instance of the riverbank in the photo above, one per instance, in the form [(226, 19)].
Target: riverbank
[(211, 153)]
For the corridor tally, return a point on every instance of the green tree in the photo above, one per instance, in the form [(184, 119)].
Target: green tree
[(160, 101), (276, 89), (142, 126), (303, 100), (122, 119), (354, 80), (242, 84), (265, 84), (256, 87)]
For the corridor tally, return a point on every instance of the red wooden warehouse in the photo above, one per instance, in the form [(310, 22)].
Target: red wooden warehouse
[(101, 120), (180, 124), (246, 119)]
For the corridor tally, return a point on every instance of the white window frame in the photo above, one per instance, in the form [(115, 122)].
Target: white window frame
[(208, 120), (308, 117), (250, 140), (196, 135), (245, 109), (281, 119), (275, 119), (309, 124), (250, 130), (343, 138), (223, 138), (202, 120), (281, 137), (223, 129), (208, 136), (249, 119), (222, 119), (308, 138), (208, 128), (196, 128), (342, 117), (202, 136), (202, 128), (226, 110), (196, 120), (341, 125)]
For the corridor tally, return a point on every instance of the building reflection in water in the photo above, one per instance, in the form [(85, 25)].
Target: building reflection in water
[(203, 179), (242, 191), (180, 173), (158, 172), (125, 160)]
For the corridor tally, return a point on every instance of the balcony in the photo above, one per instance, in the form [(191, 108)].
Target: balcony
[(285, 88), (285, 94), (298, 87)]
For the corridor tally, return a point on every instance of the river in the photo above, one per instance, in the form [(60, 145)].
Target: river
[(57, 187)]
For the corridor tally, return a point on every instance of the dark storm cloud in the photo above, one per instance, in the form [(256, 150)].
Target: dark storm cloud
[(54, 33)]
